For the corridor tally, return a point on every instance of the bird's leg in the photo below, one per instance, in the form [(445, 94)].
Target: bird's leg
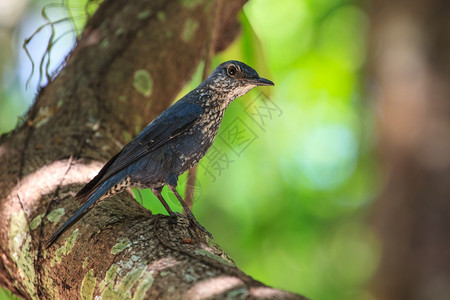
[(185, 207), (173, 215), (158, 195), (171, 182), (188, 211)]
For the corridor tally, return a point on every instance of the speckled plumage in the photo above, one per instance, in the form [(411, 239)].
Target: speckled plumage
[(172, 143)]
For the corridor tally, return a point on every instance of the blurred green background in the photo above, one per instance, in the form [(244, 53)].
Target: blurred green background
[(286, 188)]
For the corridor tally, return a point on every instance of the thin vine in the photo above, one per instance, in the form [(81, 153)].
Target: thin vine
[(78, 15)]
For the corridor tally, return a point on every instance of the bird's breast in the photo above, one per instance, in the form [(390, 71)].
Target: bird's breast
[(192, 145)]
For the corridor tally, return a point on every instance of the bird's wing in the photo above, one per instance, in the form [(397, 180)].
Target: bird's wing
[(172, 122)]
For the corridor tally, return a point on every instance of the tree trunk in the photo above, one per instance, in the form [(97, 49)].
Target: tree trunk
[(410, 46), (132, 60)]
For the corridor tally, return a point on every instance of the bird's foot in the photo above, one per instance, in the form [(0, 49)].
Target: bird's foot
[(175, 215), (199, 226)]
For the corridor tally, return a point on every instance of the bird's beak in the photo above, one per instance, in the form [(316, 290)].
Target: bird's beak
[(261, 81)]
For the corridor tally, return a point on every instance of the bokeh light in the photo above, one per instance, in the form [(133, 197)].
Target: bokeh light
[(290, 207)]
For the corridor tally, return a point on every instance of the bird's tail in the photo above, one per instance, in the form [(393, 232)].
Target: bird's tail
[(102, 190)]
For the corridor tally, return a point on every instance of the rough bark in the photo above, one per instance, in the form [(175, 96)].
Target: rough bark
[(131, 61), (410, 46)]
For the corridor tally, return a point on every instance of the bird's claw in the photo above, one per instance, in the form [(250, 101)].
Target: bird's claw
[(199, 226), (175, 215)]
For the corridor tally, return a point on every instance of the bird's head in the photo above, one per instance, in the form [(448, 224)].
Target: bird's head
[(234, 79)]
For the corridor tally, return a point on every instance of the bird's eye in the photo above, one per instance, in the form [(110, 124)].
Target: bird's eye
[(232, 70)]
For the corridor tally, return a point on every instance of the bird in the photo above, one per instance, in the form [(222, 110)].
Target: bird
[(171, 144)]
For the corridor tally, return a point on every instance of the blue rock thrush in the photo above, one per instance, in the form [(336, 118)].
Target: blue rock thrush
[(172, 143)]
